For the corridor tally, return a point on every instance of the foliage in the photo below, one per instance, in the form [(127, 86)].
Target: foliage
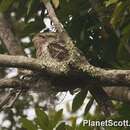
[(101, 30), (45, 121)]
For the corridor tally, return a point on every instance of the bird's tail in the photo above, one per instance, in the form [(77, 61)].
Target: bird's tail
[(102, 99)]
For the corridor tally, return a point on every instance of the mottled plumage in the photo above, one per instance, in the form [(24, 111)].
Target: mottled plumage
[(50, 44), (57, 52)]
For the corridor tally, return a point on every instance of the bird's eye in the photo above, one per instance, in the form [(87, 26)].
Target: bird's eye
[(42, 36)]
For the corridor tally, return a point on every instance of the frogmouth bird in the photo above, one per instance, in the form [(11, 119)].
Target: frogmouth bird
[(58, 52)]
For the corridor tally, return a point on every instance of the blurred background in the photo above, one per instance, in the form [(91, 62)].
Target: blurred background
[(101, 29)]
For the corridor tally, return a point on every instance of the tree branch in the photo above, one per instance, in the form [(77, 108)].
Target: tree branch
[(88, 73), (43, 85), (53, 16), (14, 48), (11, 42), (119, 94), (19, 62), (104, 77)]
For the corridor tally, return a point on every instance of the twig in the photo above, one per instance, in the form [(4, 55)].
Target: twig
[(13, 46), (11, 42), (53, 16), (12, 98), (19, 62), (9, 100), (4, 101)]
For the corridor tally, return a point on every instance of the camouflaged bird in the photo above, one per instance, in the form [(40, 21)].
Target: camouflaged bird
[(58, 52)]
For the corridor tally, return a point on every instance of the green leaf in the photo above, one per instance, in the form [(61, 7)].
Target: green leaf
[(78, 100), (33, 27), (32, 7), (118, 14), (124, 111), (56, 3), (82, 127), (29, 125), (61, 126), (57, 117), (69, 127), (42, 119), (88, 106), (123, 48), (110, 2), (21, 9), (5, 4), (126, 30)]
